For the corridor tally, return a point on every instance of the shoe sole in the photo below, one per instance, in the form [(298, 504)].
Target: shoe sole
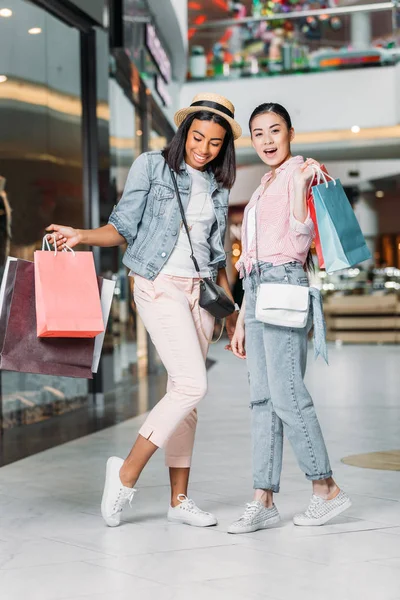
[(106, 484), (185, 522), (263, 525), (318, 522)]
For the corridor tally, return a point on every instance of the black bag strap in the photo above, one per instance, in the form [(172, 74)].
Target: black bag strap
[(178, 197)]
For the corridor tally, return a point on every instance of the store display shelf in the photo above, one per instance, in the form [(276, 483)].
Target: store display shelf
[(363, 319)]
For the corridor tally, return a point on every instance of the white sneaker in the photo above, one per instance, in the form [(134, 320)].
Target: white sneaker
[(256, 516), (115, 495), (321, 511), (188, 513)]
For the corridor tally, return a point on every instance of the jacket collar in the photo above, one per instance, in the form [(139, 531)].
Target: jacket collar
[(293, 160), (214, 185)]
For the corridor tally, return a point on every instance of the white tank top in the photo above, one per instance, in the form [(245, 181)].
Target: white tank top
[(251, 226)]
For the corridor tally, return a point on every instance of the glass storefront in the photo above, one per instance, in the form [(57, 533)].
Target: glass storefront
[(41, 162), (125, 146), (75, 115)]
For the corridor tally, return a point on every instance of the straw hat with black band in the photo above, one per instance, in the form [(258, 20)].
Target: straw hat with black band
[(212, 103)]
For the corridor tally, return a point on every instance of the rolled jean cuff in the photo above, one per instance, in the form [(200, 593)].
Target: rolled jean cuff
[(319, 477), (263, 486), (178, 462)]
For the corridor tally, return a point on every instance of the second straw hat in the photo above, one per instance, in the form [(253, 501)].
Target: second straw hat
[(213, 103)]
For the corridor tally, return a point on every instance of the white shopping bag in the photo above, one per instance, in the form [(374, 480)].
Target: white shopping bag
[(107, 294), (4, 280)]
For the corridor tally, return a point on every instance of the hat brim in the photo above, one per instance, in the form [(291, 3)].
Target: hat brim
[(181, 115)]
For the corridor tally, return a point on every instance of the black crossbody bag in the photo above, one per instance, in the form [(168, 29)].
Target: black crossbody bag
[(213, 297)]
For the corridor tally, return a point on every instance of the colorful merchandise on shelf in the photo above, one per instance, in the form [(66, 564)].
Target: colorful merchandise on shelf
[(198, 63)]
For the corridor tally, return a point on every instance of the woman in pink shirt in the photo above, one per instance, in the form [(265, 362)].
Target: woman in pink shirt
[(276, 237)]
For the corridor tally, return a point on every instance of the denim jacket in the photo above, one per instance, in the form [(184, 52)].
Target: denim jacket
[(148, 215)]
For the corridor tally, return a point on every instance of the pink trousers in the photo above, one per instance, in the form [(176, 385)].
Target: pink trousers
[(181, 331)]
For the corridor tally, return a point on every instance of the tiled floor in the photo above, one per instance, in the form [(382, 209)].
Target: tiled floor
[(54, 545)]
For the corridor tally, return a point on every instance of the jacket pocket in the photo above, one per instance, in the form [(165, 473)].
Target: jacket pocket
[(160, 195)]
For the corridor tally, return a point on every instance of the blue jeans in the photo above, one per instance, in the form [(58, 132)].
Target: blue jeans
[(276, 360)]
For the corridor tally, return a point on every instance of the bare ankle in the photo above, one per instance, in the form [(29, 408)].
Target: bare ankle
[(326, 488), (126, 477), (266, 497)]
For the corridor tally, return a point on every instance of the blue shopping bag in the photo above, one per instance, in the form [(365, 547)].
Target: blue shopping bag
[(343, 244)]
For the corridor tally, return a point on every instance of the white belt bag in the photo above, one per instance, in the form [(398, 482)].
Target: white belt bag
[(283, 305)]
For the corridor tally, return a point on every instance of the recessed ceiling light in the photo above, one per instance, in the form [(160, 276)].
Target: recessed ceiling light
[(5, 13), (35, 30), (3, 78), (379, 194), (355, 129)]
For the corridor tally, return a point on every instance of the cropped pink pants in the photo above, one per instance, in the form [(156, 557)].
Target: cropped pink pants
[(180, 330)]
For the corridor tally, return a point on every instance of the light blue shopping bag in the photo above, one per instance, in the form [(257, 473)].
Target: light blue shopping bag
[(343, 244)]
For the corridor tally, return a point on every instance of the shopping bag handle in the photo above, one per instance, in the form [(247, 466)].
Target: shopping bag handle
[(46, 245), (321, 177), (67, 248)]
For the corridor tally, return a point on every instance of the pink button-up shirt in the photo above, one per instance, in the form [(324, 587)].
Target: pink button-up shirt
[(281, 237)]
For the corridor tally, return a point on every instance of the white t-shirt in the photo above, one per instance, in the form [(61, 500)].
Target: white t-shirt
[(251, 226), (200, 217)]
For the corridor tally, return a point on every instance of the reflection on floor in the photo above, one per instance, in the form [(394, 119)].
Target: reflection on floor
[(54, 545), (122, 404), (80, 420)]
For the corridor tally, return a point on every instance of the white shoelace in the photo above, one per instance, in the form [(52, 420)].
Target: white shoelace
[(312, 510), (124, 495), (189, 504), (251, 509)]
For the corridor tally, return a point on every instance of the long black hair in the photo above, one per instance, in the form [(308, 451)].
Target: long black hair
[(278, 109), (224, 164)]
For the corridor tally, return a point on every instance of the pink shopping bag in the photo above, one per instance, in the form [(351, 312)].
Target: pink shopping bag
[(311, 207), (67, 295)]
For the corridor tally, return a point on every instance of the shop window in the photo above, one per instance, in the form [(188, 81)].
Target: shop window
[(41, 162)]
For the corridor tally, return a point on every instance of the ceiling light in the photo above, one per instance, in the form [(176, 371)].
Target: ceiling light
[(35, 30), (355, 129), (3, 78), (5, 13), (379, 194), (139, 132)]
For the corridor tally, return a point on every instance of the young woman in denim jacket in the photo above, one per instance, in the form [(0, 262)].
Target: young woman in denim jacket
[(166, 289), (278, 221)]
